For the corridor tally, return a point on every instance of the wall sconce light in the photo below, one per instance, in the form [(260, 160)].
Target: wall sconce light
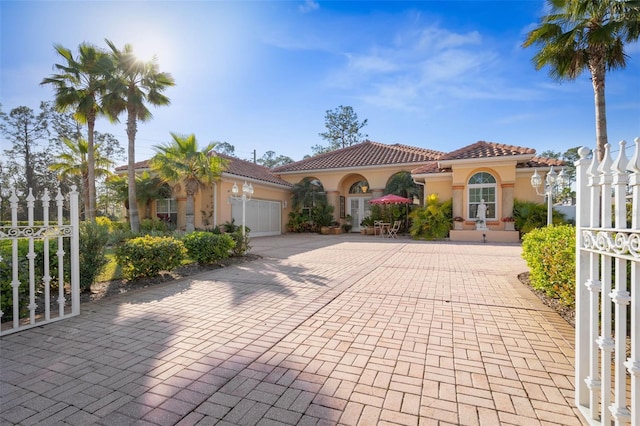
[(284, 204)]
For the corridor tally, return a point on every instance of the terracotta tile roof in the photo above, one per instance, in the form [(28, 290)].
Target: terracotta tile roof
[(363, 154), (484, 149), (235, 166), (144, 164), (542, 162), (432, 167), (250, 170)]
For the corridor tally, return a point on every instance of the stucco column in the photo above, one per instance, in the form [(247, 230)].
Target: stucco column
[(507, 199), (456, 200), (333, 198)]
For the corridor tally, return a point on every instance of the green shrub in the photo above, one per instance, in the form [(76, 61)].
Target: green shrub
[(146, 256), (550, 255), (93, 242), (153, 226), (118, 231), (207, 247), (432, 221), (240, 244), (6, 273), (105, 221), (529, 215)]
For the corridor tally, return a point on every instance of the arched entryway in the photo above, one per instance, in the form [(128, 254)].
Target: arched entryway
[(357, 205)]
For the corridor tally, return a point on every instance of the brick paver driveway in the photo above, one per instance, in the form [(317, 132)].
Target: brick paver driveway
[(344, 329)]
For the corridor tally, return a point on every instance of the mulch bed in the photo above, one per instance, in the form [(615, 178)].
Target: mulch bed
[(109, 288), (568, 313)]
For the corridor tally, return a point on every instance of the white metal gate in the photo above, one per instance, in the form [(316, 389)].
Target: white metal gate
[(608, 287), (38, 311)]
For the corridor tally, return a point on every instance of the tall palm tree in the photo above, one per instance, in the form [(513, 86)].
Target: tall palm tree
[(182, 162), (579, 35), (74, 163), (79, 85), (135, 84)]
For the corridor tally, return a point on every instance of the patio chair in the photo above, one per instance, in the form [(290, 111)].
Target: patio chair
[(393, 231), (378, 228)]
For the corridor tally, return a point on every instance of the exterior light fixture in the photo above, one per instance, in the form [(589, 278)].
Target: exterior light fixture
[(247, 193), (553, 181)]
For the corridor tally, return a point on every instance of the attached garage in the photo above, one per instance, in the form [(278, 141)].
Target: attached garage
[(263, 217)]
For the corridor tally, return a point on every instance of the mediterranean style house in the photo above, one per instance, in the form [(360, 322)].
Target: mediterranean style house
[(492, 172)]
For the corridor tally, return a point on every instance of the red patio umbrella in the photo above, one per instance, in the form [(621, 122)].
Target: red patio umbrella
[(391, 199)]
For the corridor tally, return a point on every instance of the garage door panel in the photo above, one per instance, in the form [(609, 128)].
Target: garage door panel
[(263, 217)]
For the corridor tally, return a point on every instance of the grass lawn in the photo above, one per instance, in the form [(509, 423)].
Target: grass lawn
[(112, 271)]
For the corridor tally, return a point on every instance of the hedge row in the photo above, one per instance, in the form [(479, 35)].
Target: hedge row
[(550, 255)]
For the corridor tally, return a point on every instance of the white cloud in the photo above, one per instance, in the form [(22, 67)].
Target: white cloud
[(420, 66), (308, 6)]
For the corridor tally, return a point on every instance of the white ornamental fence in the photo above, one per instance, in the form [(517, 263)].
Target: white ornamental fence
[(608, 287), (15, 293)]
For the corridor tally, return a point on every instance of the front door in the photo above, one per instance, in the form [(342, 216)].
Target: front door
[(358, 209)]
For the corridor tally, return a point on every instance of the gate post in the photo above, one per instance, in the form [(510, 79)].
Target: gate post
[(583, 200), (75, 251)]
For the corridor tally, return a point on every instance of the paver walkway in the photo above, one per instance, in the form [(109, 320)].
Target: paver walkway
[(343, 329)]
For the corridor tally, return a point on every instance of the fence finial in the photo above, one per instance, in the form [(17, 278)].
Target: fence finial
[(634, 163), (605, 164), (620, 164), (583, 152), (14, 198)]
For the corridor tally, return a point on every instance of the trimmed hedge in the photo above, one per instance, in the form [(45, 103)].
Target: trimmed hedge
[(550, 255), (146, 256), (207, 247)]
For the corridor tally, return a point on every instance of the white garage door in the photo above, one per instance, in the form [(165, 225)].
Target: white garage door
[(263, 217)]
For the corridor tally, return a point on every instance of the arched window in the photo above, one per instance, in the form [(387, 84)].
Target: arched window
[(482, 186), (360, 187)]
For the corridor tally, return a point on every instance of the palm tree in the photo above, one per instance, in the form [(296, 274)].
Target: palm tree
[(80, 85), (580, 35), (402, 184), (149, 188), (182, 162), (119, 188), (74, 163), (135, 84), (308, 193)]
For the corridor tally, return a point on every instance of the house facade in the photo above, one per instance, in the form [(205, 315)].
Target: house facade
[(266, 211), (484, 172)]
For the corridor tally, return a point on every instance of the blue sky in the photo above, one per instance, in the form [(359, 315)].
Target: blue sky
[(261, 75)]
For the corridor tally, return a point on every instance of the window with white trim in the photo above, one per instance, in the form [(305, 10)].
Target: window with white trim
[(482, 186), (167, 210)]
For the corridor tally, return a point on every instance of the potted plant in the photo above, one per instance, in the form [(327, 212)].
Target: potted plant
[(335, 228), (323, 216), (367, 225), (509, 223), (457, 222), (346, 226)]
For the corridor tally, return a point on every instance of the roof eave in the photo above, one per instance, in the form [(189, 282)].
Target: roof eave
[(231, 176), (499, 158), (350, 168)]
